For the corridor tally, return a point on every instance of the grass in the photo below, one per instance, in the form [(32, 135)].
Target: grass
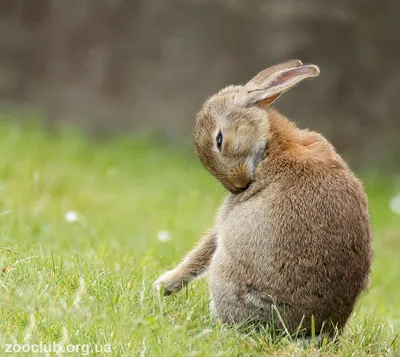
[(89, 280)]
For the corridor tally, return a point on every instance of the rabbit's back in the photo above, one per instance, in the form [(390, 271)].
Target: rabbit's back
[(303, 238)]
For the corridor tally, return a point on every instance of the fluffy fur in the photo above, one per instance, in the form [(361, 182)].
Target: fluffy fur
[(293, 235)]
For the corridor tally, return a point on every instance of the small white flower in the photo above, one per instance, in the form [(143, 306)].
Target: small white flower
[(395, 204), (163, 236), (5, 212), (71, 216)]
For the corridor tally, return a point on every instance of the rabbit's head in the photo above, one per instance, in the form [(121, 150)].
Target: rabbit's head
[(232, 128)]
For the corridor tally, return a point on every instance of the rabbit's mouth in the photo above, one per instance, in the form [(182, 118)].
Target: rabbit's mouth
[(240, 189), (239, 177), (240, 186), (242, 175), (251, 165)]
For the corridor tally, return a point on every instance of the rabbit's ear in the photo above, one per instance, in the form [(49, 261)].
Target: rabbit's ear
[(264, 88), (259, 79)]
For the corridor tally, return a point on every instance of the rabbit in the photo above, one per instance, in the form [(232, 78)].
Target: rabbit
[(291, 246)]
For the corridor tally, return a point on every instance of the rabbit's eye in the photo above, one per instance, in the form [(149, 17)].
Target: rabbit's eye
[(219, 140)]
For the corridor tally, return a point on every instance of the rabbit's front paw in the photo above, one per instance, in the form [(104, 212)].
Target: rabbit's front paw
[(170, 281)]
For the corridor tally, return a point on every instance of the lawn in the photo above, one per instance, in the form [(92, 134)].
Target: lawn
[(87, 226)]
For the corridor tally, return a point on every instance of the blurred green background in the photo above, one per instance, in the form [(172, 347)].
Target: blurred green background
[(100, 188)]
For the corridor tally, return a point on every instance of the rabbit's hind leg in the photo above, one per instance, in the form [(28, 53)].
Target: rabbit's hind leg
[(236, 308)]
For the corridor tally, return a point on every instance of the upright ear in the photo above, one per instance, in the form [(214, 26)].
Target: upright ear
[(266, 87), (260, 77)]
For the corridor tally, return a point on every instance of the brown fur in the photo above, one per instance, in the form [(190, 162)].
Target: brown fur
[(298, 240)]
